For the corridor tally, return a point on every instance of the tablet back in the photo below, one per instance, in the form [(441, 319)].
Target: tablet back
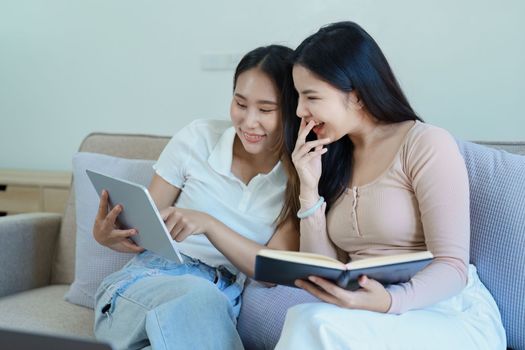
[(140, 213)]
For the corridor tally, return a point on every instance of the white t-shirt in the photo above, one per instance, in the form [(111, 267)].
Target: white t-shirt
[(198, 160)]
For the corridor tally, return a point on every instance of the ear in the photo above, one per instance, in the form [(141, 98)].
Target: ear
[(355, 101)]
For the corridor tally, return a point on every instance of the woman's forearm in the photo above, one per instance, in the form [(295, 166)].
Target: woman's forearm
[(239, 250), (314, 237)]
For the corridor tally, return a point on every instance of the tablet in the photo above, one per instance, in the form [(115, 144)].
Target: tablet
[(140, 213)]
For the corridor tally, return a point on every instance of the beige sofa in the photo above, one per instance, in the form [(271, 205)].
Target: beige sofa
[(37, 253)]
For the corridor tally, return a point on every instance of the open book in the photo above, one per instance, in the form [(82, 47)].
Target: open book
[(284, 267)]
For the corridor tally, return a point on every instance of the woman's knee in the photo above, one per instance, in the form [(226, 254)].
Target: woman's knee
[(310, 312), (153, 291), (204, 293), (316, 317)]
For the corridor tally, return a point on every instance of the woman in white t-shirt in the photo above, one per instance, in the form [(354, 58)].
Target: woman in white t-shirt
[(219, 186)]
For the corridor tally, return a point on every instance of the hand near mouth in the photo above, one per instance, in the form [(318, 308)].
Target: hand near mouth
[(307, 159)]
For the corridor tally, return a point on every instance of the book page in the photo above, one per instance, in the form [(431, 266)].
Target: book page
[(388, 260), (302, 258)]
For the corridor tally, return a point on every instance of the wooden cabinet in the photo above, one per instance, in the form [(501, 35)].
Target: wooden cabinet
[(23, 191)]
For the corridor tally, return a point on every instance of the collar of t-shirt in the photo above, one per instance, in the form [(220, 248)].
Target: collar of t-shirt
[(221, 158)]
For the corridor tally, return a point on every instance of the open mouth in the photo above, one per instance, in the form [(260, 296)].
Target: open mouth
[(318, 128), (252, 138)]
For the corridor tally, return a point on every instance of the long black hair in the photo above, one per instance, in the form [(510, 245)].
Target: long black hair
[(347, 57)]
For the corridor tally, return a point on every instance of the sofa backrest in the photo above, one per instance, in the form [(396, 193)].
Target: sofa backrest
[(497, 229), (131, 146), (512, 147)]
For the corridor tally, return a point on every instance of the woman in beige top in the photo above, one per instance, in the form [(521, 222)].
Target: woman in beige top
[(385, 183)]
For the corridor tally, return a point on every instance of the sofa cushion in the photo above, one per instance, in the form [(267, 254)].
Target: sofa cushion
[(93, 262), (263, 312), (44, 310), (497, 214), (132, 146)]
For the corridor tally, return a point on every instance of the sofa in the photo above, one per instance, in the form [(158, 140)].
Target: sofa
[(38, 250)]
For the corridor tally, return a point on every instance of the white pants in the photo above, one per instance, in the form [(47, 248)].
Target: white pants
[(470, 320)]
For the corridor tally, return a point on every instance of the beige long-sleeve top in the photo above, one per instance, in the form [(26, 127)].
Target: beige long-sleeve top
[(420, 202)]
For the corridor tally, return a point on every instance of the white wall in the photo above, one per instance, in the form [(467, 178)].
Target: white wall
[(68, 67)]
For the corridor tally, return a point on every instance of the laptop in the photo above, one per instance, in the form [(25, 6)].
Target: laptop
[(23, 340), (140, 213)]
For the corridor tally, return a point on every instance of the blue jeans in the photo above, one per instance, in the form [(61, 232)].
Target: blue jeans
[(159, 303)]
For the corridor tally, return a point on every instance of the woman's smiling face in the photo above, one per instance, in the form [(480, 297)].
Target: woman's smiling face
[(255, 112), (335, 112)]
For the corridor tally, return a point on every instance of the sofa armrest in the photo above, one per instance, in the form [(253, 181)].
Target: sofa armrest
[(27, 247)]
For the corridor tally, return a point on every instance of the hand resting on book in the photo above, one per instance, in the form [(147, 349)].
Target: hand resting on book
[(372, 295), (358, 284)]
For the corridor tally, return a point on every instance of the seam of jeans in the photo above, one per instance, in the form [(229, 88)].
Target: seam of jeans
[(131, 300), (160, 329)]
